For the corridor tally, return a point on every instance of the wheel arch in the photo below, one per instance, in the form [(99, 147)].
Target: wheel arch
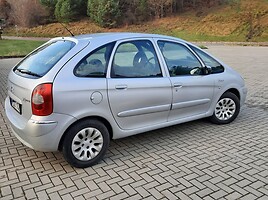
[(101, 119), (234, 91)]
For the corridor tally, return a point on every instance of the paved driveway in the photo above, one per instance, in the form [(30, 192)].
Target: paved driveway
[(196, 160)]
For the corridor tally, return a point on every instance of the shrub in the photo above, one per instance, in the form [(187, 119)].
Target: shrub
[(49, 3), (106, 13), (69, 10), (63, 10), (80, 7), (142, 10)]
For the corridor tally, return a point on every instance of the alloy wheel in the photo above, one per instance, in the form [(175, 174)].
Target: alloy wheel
[(225, 109), (87, 144)]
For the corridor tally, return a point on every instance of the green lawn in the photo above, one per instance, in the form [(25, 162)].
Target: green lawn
[(17, 47)]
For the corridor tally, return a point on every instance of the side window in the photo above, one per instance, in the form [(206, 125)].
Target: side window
[(95, 64), (180, 61), (135, 59), (209, 61)]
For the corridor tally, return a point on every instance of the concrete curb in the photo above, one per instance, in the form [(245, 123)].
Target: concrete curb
[(265, 44), (26, 38)]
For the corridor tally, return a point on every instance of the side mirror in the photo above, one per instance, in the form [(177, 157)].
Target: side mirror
[(207, 70)]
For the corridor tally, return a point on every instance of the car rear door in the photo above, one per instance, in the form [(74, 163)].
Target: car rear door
[(139, 92), (192, 89)]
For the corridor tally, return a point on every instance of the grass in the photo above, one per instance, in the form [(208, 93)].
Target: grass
[(200, 37), (9, 48)]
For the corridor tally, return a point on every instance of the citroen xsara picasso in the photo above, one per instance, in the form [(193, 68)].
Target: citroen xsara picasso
[(74, 94)]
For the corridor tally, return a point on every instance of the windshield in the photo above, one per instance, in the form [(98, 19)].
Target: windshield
[(39, 62)]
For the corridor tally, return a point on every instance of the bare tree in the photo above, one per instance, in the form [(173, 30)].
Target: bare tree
[(26, 13), (4, 9), (160, 6)]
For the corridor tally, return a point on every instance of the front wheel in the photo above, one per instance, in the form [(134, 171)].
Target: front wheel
[(226, 110), (85, 143)]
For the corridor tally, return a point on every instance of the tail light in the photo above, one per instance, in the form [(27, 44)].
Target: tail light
[(42, 101)]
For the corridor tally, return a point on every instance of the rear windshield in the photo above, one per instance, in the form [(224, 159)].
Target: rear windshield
[(39, 62)]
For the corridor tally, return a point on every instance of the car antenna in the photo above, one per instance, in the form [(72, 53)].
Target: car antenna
[(67, 29)]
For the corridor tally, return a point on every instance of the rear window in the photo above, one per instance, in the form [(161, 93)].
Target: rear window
[(39, 62)]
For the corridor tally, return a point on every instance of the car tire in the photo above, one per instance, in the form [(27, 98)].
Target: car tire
[(226, 109), (85, 143)]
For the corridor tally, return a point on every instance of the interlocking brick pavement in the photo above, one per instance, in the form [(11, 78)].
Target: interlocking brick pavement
[(195, 160)]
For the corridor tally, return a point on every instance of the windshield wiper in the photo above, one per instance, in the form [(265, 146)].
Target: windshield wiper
[(26, 71)]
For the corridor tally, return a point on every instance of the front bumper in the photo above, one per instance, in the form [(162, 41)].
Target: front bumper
[(244, 92)]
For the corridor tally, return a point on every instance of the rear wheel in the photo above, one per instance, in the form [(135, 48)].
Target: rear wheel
[(85, 143), (226, 110)]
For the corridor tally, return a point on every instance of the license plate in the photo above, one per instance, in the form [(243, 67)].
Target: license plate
[(15, 105)]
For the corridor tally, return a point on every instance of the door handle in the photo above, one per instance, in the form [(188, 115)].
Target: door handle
[(121, 87), (177, 85)]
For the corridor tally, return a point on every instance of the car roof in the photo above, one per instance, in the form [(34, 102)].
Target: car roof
[(113, 36)]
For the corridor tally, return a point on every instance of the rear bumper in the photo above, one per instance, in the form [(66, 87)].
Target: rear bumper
[(38, 133)]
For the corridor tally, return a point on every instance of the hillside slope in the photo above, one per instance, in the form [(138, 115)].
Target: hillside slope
[(246, 20)]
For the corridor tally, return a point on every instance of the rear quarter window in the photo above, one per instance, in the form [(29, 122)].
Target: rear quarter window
[(40, 61)]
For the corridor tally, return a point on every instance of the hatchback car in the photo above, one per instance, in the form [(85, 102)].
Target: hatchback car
[(74, 94)]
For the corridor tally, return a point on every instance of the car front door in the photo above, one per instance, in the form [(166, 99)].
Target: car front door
[(139, 93), (192, 89)]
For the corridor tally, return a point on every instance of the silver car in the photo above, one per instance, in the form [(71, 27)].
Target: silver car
[(74, 94)]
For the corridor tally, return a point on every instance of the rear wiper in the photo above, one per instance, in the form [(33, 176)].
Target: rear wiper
[(26, 71)]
